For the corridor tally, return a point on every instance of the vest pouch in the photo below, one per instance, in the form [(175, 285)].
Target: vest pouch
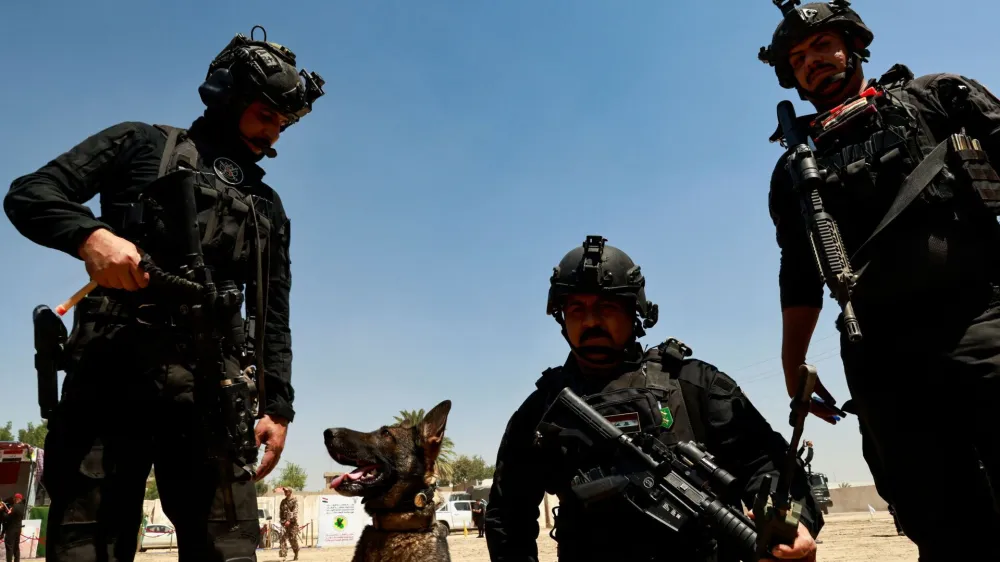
[(629, 409), (970, 163), (154, 223), (223, 218), (858, 179), (229, 221), (228, 303)]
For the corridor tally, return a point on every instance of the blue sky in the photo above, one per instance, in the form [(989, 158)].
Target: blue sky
[(462, 148)]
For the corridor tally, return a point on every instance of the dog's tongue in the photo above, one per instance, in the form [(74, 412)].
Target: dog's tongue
[(353, 475)]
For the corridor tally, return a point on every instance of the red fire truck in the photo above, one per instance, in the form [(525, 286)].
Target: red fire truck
[(21, 473)]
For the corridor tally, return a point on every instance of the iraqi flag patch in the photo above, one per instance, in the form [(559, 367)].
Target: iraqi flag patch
[(626, 423)]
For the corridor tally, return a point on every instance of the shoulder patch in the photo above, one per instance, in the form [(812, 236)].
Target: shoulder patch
[(928, 80), (724, 383), (982, 87), (693, 371), (708, 377)]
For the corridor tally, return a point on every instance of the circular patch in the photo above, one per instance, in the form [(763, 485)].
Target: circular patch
[(228, 171), (340, 523)]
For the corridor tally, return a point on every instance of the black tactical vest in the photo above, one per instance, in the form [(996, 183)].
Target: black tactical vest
[(234, 224), (947, 236), (651, 399), (234, 227)]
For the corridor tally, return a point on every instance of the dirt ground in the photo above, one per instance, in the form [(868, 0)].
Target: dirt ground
[(847, 537)]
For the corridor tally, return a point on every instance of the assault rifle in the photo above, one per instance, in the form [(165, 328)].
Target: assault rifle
[(227, 403), (824, 236), (677, 489), (673, 488)]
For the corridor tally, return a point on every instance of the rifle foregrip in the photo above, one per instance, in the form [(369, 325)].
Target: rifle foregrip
[(830, 246), (732, 529)]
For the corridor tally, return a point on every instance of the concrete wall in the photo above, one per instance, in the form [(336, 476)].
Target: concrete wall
[(856, 498), (852, 499), (308, 510)]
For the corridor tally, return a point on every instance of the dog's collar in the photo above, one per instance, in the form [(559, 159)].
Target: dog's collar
[(404, 522), (412, 515), (419, 500)]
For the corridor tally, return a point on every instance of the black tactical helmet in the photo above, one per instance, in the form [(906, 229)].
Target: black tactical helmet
[(248, 70), (800, 22), (596, 268)]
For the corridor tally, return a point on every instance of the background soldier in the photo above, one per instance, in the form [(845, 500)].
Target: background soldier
[(602, 315), (132, 352), (479, 517), (806, 461), (288, 512), (927, 302)]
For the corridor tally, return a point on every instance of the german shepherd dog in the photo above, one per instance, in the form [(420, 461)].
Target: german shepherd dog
[(395, 479)]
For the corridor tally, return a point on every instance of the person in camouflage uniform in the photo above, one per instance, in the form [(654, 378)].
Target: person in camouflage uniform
[(288, 511)]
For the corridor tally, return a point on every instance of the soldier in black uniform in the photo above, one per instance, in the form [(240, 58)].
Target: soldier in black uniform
[(130, 397), (926, 370), (601, 320)]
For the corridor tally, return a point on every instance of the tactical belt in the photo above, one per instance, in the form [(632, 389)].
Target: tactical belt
[(148, 314)]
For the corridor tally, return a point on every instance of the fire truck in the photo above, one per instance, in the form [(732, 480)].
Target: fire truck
[(21, 473)]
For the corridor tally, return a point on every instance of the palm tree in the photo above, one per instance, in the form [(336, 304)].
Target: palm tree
[(443, 466), (410, 418)]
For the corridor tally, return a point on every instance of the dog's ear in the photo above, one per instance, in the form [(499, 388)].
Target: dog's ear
[(432, 430)]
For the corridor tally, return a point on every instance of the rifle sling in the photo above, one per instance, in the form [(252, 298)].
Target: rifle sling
[(912, 186)]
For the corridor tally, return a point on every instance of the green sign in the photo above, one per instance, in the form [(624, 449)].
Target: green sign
[(668, 418), (340, 523)]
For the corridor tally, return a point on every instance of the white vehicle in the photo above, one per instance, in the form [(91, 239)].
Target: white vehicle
[(454, 514), (264, 520), (158, 535)]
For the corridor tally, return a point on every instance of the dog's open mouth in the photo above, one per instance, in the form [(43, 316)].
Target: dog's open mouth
[(367, 474)]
